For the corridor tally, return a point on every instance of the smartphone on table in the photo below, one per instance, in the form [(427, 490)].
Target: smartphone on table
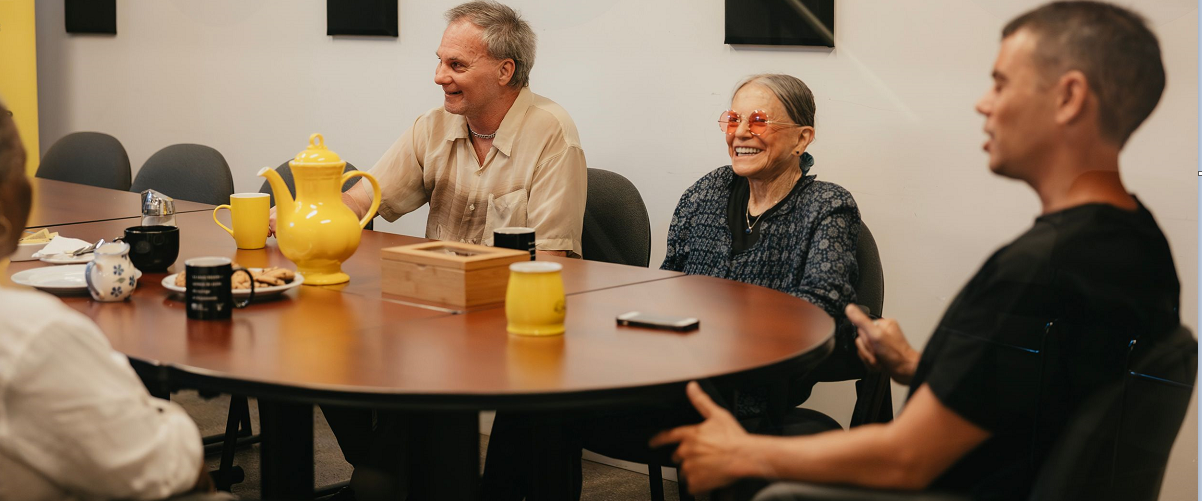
[(640, 319)]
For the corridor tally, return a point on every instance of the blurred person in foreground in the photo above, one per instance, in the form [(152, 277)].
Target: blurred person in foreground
[(75, 420), (1071, 83)]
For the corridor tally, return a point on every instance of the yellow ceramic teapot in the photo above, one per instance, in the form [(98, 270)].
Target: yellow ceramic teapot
[(316, 231)]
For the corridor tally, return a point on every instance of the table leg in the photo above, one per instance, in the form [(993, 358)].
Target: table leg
[(286, 451), (445, 456)]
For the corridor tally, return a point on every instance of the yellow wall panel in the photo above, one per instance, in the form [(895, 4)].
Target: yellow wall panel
[(19, 72)]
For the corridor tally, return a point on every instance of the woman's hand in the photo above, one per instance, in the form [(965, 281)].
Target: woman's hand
[(882, 346), (712, 454)]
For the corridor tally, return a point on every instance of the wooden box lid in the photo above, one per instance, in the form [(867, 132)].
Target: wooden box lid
[(455, 255)]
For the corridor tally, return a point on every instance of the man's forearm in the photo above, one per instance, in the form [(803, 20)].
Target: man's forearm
[(864, 456), (358, 198), (908, 453)]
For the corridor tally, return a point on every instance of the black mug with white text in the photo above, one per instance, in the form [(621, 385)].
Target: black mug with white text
[(209, 288)]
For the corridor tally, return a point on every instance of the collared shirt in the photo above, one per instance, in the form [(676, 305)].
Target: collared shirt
[(534, 175), (76, 423)]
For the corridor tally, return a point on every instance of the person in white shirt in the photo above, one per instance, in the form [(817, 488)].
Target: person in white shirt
[(76, 423)]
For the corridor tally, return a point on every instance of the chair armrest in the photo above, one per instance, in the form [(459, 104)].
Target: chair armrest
[(800, 491)]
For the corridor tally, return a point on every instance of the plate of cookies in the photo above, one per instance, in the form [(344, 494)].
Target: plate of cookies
[(268, 282)]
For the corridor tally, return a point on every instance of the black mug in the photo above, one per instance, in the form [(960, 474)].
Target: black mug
[(152, 248), (515, 237), (209, 289)]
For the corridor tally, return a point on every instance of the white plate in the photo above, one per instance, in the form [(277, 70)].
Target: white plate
[(57, 279), (68, 259), (169, 284)]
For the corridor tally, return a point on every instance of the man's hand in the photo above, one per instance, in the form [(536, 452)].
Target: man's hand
[(882, 345), (271, 222), (711, 454), (559, 253)]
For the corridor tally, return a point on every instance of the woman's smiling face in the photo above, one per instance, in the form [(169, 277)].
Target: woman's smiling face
[(773, 151)]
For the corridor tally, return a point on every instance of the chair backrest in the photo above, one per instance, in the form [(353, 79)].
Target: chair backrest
[(192, 172), (870, 289), (91, 158), (874, 394), (1117, 444), (285, 172), (617, 228)]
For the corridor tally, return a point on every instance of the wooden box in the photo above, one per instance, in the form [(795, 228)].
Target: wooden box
[(451, 273)]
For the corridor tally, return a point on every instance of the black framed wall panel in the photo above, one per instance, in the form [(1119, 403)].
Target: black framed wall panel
[(91, 16), (361, 17), (780, 22)]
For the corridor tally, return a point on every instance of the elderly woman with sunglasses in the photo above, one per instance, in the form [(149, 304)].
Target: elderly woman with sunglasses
[(763, 219)]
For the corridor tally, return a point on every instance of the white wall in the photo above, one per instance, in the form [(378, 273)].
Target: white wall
[(644, 81)]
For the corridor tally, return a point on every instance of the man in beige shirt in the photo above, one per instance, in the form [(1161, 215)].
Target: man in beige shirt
[(495, 154)]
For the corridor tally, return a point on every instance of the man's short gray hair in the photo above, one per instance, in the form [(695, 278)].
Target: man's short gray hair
[(506, 35)]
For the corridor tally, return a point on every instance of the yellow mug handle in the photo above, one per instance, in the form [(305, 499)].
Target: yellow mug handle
[(219, 207), (375, 195)]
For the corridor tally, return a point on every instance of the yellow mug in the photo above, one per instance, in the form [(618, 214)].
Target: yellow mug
[(249, 213), (534, 300)]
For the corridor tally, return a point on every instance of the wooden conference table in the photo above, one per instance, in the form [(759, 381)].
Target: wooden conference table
[(353, 345)]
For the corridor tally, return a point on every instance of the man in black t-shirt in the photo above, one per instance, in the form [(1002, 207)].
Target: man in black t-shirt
[(1046, 321)]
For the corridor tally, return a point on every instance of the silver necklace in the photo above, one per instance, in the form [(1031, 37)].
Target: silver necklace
[(481, 136)]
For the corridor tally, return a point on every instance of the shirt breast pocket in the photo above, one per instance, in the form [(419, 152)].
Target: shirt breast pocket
[(503, 211)]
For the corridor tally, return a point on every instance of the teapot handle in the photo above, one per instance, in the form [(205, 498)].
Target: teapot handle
[(375, 194)]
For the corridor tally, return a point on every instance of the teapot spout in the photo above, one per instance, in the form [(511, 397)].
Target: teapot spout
[(283, 196)]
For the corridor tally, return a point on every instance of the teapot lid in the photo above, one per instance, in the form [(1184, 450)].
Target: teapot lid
[(316, 153)]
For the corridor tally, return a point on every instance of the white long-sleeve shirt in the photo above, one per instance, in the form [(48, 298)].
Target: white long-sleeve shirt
[(76, 423)]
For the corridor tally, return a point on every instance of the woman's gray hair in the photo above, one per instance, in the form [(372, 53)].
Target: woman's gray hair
[(506, 35), (792, 93)]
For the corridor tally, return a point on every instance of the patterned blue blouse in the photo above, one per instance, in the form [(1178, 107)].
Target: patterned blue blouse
[(807, 248)]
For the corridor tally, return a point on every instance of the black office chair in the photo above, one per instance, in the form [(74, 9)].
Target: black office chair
[(91, 158), (874, 394), (285, 172), (1115, 447), (617, 228), (192, 172)]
